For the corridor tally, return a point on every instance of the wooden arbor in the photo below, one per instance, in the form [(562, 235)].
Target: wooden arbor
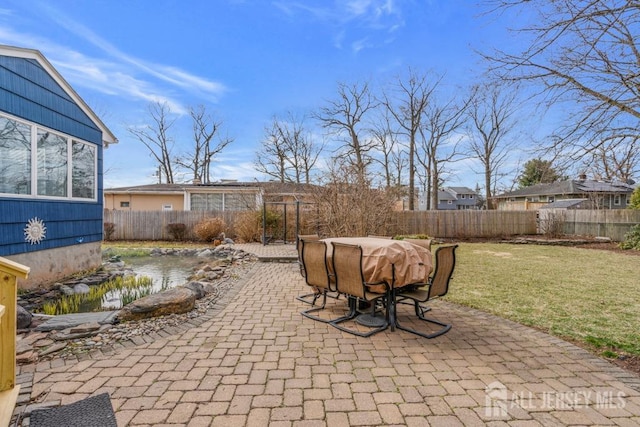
[(9, 273)]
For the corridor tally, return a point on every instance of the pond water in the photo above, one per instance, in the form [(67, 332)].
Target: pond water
[(162, 272), (165, 272)]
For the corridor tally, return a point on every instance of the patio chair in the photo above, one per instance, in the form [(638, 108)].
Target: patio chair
[(425, 243), (437, 286), (347, 267), (314, 260), (311, 297)]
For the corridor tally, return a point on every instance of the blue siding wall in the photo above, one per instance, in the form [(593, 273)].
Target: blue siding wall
[(67, 223), (29, 92)]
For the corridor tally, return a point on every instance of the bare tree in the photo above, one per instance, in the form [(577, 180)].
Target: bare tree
[(584, 52), (288, 153), (345, 117), (206, 131), (156, 138), (407, 107), (440, 141), (617, 159), (388, 147), (491, 117)]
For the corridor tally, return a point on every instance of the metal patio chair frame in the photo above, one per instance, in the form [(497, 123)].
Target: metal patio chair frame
[(314, 260), (349, 278), (436, 287)]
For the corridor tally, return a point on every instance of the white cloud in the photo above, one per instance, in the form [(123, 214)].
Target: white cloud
[(355, 19)]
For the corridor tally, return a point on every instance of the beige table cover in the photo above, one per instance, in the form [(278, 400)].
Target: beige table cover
[(413, 263)]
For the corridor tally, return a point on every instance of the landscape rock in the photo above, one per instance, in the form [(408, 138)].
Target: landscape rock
[(197, 288), (204, 253), (81, 288), (23, 318), (66, 290), (176, 300)]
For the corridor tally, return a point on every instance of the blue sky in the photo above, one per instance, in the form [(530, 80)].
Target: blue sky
[(245, 60)]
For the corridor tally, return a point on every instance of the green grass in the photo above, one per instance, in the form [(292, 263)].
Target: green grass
[(588, 296)]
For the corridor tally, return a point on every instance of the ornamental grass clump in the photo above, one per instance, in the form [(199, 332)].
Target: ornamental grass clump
[(209, 229)]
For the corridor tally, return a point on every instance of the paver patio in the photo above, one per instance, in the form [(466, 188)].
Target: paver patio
[(256, 361)]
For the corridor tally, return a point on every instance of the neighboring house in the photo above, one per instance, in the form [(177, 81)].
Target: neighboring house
[(51, 147), (452, 198), (465, 198), (598, 194), (226, 195)]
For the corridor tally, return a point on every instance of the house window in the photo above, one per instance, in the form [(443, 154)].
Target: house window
[(463, 196), (236, 202), (83, 177), (222, 201), (551, 199), (449, 202), (52, 164), (167, 207), (15, 157), (124, 204), (206, 202), (63, 167), (471, 196), (616, 200)]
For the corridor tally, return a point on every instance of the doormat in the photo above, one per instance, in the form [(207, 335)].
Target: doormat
[(95, 411)]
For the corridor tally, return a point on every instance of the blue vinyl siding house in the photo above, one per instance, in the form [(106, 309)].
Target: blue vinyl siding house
[(51, 148)]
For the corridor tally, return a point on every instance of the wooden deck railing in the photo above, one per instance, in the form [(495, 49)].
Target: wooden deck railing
[(9, 273)]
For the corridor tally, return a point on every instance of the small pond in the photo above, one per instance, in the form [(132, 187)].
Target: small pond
[(152, 274)]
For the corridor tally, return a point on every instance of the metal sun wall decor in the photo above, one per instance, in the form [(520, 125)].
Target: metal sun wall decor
[(35, 231)]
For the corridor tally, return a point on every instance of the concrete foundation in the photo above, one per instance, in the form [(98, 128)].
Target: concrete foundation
[(51, 265)]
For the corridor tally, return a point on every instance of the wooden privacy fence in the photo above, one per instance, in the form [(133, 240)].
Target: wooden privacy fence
[(465, 223), (611, 223), (152, 225)]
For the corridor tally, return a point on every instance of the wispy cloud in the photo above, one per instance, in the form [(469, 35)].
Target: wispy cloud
[(116, 73), (353, 21)]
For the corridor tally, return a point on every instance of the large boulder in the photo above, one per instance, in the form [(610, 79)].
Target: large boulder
[(176, 300)]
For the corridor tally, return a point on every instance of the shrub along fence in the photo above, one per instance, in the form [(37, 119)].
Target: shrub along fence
[(154, 225)]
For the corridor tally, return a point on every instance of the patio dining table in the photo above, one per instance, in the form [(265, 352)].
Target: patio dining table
[(380, 257)]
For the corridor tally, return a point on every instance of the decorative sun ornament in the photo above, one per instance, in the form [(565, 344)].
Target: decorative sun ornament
[(35, 231)]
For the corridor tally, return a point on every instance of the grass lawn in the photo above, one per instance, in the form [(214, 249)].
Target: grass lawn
[(584, 295)]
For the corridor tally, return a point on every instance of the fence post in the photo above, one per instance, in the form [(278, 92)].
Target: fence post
[(9, 272)]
